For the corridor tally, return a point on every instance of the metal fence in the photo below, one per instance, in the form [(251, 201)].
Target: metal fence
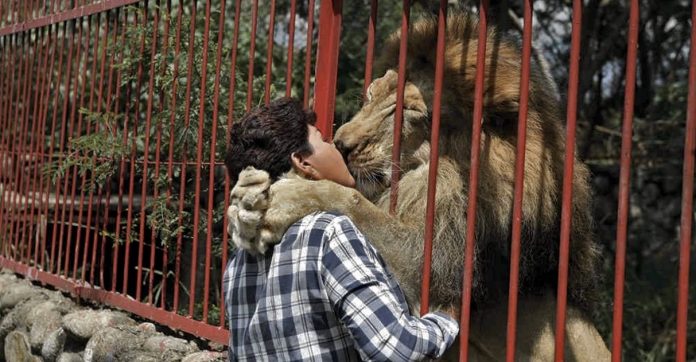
[(94, 154)]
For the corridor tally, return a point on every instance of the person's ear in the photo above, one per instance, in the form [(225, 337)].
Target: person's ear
[(302, 166)]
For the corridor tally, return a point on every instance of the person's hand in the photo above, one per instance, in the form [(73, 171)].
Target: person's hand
[(248, 204)]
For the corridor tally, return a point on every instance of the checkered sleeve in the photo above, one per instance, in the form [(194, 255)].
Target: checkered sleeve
[(356, 283)]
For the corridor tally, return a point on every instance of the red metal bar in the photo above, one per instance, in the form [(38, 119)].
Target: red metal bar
[(64, 140), (477, 119), (90, 200), (20, 178), (77, 98), (122, 165), (54, 46), (146, 154), (170, 169), (519, 183), (625, 181), (158, 143), (269, 54), (230, 118), (9, 145), (63, 16), (211, 175), (369, 58), (105, 204), (6, 64), (76, 254), (687, 199), (567, 206), (53, 144), (136, 113), (399, 112), (327, 65), (197, 196), (252, 52), (16, 126), (434, 155), (187, 119), (308, 53), (291, 49)]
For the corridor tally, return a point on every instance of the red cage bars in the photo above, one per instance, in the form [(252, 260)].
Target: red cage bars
[(66, 64)]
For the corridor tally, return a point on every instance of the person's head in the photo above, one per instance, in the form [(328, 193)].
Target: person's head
[(280, 137)]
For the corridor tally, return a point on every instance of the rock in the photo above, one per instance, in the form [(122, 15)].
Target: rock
[(109, 343), (206, 356), (85, 323), (147, 327), (17, 348), (53, 345), (18, 293), (143, 356), (23, 311), (47, 322), (69, 357), (165, 343), (216, 347)]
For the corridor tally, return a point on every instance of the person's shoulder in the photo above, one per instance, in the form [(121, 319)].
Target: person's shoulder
[(322, 220)]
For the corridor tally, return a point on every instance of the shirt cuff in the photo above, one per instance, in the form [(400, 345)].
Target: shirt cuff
[(449, 326)]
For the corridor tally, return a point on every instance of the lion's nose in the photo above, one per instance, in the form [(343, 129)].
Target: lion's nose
[(343, 148)]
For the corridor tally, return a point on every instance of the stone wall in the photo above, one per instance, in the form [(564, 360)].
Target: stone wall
[(38, 324)]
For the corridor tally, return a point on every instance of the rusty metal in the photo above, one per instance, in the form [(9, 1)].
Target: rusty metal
[(252, 53), (399, 112), (477, 119), (327, 65), (434, 156), (308, 54), (624, 181), (567, 206), (519, 183), (291, 48), (687, 199), (269, 53), (369, 57)]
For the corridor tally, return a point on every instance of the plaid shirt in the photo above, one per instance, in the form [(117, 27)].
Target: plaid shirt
[(324, 294)]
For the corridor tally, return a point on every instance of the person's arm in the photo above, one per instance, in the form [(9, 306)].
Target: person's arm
[(357, 286)]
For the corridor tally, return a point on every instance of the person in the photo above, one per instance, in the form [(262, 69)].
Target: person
[(322, 292)]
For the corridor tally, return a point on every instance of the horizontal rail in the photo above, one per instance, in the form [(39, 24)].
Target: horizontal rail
[(76, 13)]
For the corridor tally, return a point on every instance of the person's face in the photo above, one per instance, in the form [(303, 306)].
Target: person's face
[(326, 163)]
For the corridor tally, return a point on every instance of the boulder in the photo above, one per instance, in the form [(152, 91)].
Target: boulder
[(161, 343), (69, 357), (206, 356), (47, 322), (17, 348), (10, 297), (109, 343), (84, 324), (53, 345)]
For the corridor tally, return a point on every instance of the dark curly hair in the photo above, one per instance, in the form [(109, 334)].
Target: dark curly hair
[(266, 137)]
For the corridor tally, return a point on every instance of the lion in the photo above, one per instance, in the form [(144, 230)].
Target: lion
[(366, 142)]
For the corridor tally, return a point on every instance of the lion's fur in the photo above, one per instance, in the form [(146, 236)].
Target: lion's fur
[(369, 137)]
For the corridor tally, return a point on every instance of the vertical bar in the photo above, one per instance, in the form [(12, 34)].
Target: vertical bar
[(308, 53), (369, 58), (567, 206), (687, 199), (5, 63), (434, 155), (136, 113), (291, 50), (199, 161), (187, 119), (399, 112), (146, 152), (327, 65), (170, 169), (53, 142), (519, 183), (77, 98), (624, 181), (252, 52), (230, 118), (213, 142), (158, 143), (473, 181), (269, 54), (14, 151)]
